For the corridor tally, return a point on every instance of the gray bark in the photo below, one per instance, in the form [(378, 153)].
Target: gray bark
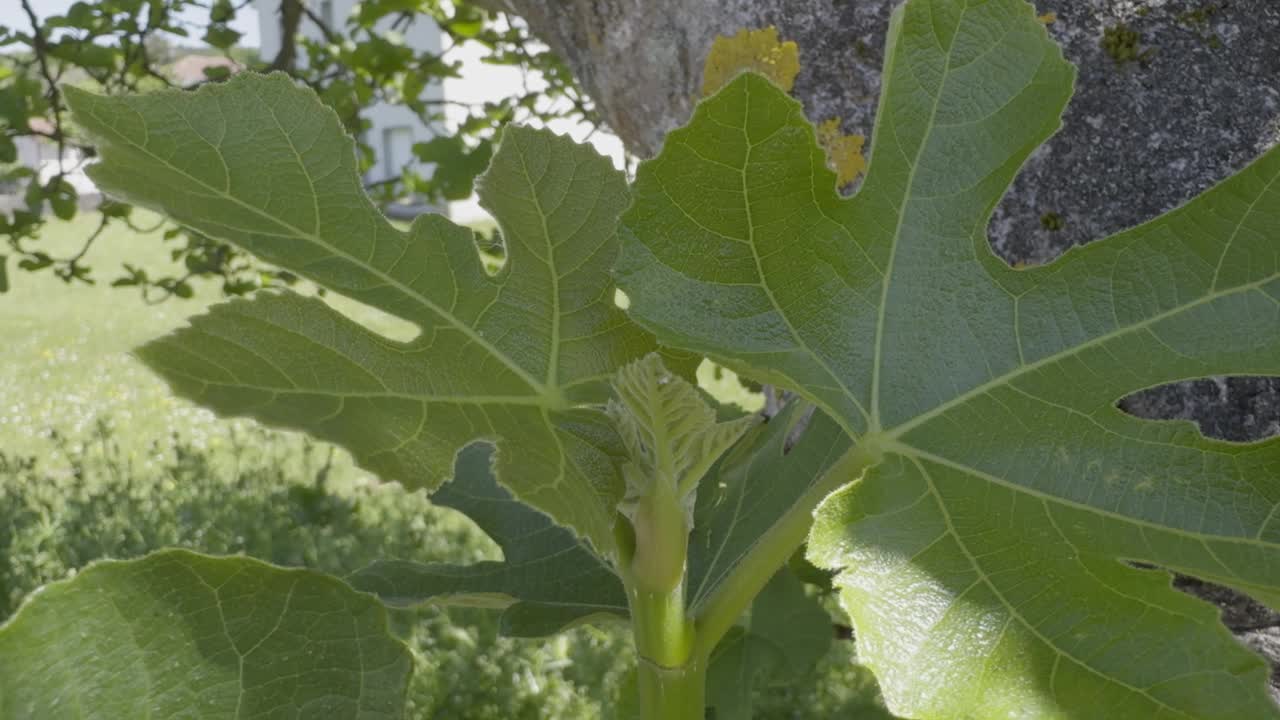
[(1140, 137)]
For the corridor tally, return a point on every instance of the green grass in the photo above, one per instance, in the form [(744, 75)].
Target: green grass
[(65, 363)]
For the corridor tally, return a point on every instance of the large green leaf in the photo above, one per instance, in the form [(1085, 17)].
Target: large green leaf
[(547, 580), (181, 635), (261, 163), (983, 560)]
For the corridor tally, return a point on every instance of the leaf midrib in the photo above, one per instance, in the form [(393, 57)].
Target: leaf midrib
[(235, 381), (553, 351), (764, 282), (530, 400), (916, 454), (878, 353), (898, 431)]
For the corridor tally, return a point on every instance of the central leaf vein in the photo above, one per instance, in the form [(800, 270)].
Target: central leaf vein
[(764, 282), (1007, 378), (916, 454)]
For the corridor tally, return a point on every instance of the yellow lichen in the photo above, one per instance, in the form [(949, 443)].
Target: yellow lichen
[(761, 51), (1048, 18), (754, 50), (844, 152)]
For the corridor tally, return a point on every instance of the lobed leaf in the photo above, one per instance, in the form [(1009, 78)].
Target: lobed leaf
[(547, 581), (260, 163), (984, 560), (969, 599), (182, 635)]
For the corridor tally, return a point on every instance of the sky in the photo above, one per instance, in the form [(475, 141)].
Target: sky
[(479, 82)]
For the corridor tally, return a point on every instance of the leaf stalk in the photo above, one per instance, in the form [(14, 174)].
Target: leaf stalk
[(723, 608), (671, 678)]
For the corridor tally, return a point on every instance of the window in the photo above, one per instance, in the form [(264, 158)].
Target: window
[(397, 149)]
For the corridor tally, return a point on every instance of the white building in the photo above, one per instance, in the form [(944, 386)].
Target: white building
[(393, 129), (40, 154)]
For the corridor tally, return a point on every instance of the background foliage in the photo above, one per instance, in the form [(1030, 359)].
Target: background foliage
[(121, 46)]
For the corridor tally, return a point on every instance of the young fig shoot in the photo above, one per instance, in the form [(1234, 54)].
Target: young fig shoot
[(672, 439)]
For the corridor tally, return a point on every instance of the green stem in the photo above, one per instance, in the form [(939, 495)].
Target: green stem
[(672, 693), (672, 679), (771, 551)]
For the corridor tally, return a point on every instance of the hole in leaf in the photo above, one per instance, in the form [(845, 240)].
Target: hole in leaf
[(1240, 613), (1238, 409), (385, 324), (724, 385)]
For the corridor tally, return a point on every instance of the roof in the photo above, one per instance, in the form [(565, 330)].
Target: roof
[(189, 70)]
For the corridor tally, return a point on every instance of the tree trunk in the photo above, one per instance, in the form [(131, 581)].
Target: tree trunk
[(1172, 97)]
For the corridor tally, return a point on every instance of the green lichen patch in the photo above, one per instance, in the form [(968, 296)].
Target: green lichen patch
[(1124, 45), (1052, 221), (1200, 21)]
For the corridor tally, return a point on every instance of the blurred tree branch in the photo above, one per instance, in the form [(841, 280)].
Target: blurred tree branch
[(352, 63)]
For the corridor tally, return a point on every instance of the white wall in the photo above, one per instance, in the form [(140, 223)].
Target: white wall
[(393, 128), (33, 151)]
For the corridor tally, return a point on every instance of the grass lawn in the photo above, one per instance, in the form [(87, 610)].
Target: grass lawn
[(65, 363)]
